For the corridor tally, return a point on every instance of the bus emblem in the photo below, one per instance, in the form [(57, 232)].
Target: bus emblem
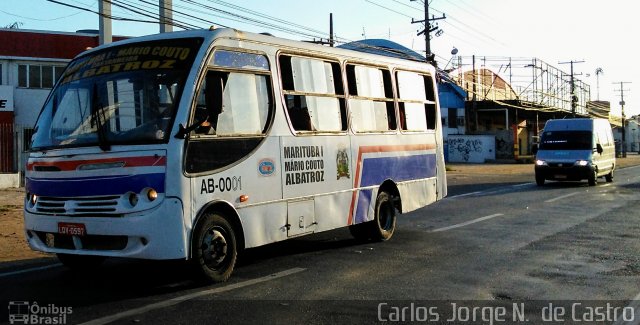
[(266, 167), (342, 163)]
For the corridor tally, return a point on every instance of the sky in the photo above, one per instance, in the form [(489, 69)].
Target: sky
[(602, 34)]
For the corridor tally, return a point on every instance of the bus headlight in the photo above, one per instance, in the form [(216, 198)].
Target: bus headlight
[(32, 199), (541, 162), (582, 162)]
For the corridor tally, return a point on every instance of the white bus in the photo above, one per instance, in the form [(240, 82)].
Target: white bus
[(198, 144)]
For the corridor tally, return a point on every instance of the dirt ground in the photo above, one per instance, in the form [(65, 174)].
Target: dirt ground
[(14, 248), (13, 245)]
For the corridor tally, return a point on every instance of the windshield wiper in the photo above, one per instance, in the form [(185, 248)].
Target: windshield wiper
[(96, 111)]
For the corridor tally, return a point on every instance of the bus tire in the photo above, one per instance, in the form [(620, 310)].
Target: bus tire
[(215, 248), (80, 262), (361, 232), (384, 222)]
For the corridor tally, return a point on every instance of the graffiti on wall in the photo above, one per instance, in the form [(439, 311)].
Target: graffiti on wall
[(504, 144), (464, 147), (471, 148)]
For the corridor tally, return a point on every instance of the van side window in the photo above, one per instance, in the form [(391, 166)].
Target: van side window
[(370, 99), (314, 95), (416, 96)]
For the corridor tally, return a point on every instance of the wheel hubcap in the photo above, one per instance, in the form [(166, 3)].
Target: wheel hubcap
[(214, 248), (386, 216)]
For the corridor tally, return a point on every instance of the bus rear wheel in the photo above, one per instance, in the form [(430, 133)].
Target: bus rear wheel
[(384, 223), (214, 248)]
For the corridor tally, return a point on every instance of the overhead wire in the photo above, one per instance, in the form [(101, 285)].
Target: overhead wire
[(262, 15)]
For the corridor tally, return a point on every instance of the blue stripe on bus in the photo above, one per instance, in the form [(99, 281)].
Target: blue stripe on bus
[(399, 168), (95, 186)]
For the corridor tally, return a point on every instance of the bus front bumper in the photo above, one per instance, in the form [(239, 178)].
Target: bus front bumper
[(155, 234)]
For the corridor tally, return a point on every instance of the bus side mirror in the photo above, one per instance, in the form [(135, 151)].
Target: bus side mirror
[(534, 148), (599, 148)]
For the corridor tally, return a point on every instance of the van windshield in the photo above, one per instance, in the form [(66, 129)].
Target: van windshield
[(125, 94), (566, 140)]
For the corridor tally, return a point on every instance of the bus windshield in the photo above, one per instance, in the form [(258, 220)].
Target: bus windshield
[(126, 94), (566, 140)]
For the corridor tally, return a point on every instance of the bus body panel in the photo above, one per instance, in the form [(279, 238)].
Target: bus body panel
[(407, 160)]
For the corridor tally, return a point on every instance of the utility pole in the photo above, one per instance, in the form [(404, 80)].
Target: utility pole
[(166, 15), (330, 41), (104, 23), (624, 142), (574, 98), (428, 28)]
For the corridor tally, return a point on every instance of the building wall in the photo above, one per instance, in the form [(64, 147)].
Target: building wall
[(451, 99), (21, 100), (471, 148)]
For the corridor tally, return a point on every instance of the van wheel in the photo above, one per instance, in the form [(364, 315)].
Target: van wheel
[(214, 248), (539, 180), (609, 177), (384, 223), (81, 262), (593, 178)]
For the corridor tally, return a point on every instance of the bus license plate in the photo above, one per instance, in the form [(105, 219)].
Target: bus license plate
[(74, 229)]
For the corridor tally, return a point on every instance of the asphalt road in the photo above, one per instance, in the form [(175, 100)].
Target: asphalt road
[(515, 252)]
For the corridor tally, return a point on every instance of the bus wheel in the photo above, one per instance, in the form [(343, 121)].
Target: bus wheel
[(384, 222), (361, 232), (215, 249), (80, 262)]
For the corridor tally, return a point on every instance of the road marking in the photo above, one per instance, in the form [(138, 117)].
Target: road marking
[(635, 304), (466, 223), (463, 195), (40, 268), (180, 299), (562, 197), (490, 191)]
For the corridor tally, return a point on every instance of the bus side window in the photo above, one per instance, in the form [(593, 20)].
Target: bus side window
[(209, 102), (370, 99), (416, 96), (299, 113), (314, 94), (237, 104)]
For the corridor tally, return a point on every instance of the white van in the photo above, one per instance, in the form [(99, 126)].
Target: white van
[(575, 149)]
